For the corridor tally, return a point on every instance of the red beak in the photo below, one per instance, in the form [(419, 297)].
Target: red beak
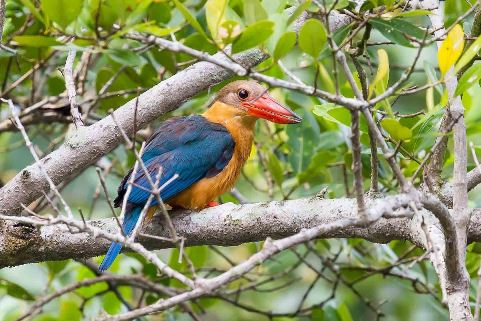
[(267, 108)]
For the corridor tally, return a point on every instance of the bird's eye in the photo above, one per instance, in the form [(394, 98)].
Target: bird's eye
[(243, 94)]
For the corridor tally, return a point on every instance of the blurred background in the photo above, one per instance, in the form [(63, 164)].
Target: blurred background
[(322, 280)]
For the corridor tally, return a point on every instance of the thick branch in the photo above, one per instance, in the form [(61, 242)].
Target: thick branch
[(225, 225), (454, 267)]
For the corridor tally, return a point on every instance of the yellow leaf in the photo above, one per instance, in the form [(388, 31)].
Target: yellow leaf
[(430, 98), (451, 49), (381, 80), (382, 75), (215, 15), (469, 54), (326, 78)]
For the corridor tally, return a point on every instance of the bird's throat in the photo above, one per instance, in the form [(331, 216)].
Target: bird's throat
[(229, 116)]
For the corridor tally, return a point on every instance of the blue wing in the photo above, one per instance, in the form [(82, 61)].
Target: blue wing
[(191, 147)]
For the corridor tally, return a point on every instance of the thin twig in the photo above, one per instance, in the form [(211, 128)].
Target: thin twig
[(38, 162), (71, 91)]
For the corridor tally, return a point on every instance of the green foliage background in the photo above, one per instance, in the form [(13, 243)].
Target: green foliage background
[(286, 163)]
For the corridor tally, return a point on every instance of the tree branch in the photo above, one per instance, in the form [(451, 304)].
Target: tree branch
[(225, 225)]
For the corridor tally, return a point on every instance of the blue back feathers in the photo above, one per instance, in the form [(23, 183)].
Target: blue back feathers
[(191, 147)]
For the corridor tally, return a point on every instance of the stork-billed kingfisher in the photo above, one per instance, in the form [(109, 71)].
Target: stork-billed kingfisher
[(205, 152)]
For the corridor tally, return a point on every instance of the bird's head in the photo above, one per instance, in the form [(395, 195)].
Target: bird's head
[(249, 98)]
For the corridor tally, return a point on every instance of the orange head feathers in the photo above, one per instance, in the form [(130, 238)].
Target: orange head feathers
[(250, 99)]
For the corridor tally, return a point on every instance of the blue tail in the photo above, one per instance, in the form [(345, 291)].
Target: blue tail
[(128, 225)]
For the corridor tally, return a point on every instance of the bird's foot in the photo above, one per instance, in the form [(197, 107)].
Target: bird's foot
[(212, 204)]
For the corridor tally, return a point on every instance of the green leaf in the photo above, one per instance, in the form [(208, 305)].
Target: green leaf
[(198, 255), (414, 13), (344, 312), (432, 76), (254, 11), (286, 42), (317, 167), (33, 9), (338, 4), (166, 59), (302, 142), (331, 314), (469, 54), (274, 6), (312, 37), (397, 30), (63, 12), (151, 299), (253, 35), (453, 9), (56, 86), (396, 130), (279, 29), (326, 78), (190, 18), (110, 303), (469, 78), (36, 41), (335, 4), (300, 9), (124, 57), (275, 168), (15, 290), (475, 248), (317, 314), (214, 13), (160, 12), (69, 310), (333, 113), (153, 29), (109, 12), (140, 11), (472, 105), (55, 267)]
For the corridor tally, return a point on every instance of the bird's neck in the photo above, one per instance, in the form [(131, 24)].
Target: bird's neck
[(239, 125)]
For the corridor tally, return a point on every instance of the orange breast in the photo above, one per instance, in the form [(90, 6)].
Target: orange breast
[(207, 189)]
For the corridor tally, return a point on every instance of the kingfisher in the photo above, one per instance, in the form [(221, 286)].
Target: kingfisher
[(199, 157)]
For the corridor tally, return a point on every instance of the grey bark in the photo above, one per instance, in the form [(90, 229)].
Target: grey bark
[(225, 225)]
